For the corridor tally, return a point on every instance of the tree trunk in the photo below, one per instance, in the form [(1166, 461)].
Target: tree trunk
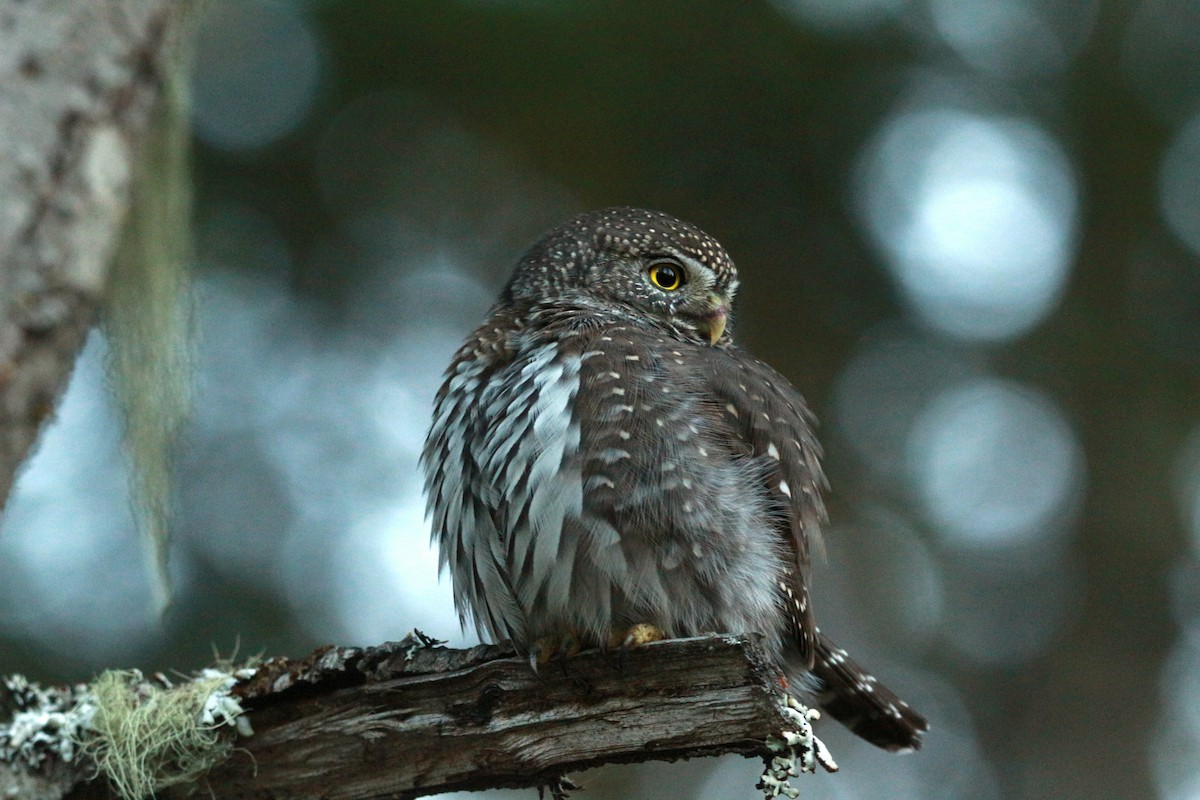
[(79, 82)]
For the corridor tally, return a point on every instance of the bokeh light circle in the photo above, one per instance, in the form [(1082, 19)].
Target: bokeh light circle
[(256, 73), (1187, 486), (1014, 38), (883, 388), (1179, 185), (994, 464), (975, 215)]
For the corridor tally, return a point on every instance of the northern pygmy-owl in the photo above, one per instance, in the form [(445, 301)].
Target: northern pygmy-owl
[(606, 466)]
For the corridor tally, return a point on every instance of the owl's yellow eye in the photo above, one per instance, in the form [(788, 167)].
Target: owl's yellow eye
[(666, 276)]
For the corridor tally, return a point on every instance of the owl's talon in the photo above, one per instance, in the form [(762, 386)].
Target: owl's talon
[(542, 650), (554, 647), (606, 654), (622, 640), (570, 645), (635, 636)]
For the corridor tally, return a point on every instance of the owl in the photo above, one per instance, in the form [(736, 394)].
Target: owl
[(606, 467)]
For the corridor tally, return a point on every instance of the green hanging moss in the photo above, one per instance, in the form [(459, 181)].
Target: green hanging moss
[(147, 314)]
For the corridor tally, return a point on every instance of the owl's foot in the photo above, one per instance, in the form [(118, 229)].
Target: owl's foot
[(560, 646), (635, 636), (622, 640)]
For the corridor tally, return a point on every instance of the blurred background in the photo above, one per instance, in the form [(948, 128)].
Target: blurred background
[(967, 231)]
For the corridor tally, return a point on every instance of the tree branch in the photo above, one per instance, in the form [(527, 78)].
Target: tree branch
[(384, 723), (410, 718)]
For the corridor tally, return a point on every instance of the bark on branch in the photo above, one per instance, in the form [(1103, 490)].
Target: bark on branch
[(404, 720), (386, 723)]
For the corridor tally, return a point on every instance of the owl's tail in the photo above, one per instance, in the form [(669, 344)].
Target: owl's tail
[(859, 701)]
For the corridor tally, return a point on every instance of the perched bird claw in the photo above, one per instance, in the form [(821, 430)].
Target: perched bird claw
[(570, 645), (635, 636), (554, 647), (541, 651), (622, 640)]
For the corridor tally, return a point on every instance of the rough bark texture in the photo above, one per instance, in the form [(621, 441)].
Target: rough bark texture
[(80, 80), (400, 720), (447, 720)]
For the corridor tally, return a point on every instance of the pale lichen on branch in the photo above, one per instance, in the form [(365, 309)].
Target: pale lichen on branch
[(141, 734), (45, 722)]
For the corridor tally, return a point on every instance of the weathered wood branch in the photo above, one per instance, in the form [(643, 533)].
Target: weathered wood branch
[(445, 720), (404, 720)]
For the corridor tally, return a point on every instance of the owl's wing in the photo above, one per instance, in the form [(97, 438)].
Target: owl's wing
[(465, 507), (774, 422)]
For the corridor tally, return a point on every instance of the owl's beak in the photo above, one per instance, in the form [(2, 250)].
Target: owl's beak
[(713, 323)]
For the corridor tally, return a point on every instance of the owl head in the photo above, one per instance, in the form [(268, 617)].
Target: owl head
[(640, 261)]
